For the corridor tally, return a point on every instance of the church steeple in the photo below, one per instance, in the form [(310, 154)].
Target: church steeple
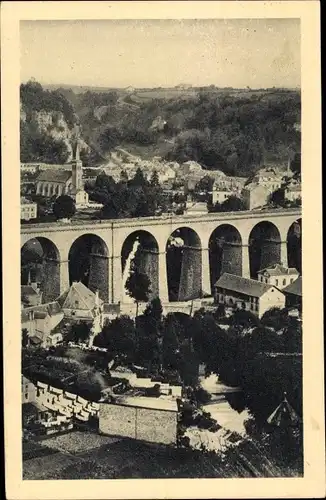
[(77, 166)]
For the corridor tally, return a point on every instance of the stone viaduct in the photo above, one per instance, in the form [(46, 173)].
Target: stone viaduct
[(236, 236)]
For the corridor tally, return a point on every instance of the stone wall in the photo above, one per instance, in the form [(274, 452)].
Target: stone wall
[(152, 425)]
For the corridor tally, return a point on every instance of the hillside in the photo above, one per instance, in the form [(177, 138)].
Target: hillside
[(234, 130)]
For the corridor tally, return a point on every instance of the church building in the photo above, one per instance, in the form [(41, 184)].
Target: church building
[(56, 182)]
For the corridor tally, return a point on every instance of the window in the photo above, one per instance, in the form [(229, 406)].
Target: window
[(291, 280), (26, 395), (276, 282), (284, 282)]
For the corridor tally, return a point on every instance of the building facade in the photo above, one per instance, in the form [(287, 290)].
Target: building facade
[(28, 390), (278, 275), (220, 195), (235, 292), (255, 196), (28, 209), (293, 294)]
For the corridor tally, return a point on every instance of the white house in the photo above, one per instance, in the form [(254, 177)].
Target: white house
[(235, 292), (219, 195), (28, 209), (278, 275)]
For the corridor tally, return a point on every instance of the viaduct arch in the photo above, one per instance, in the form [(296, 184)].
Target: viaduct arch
[(209, 245)]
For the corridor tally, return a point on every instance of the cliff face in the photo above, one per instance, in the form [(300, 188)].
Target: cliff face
[(47, 124)]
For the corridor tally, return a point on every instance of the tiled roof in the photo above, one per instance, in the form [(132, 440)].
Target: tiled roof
[(246, 286), (51, 308), (278, 270), (294, 288), (86, 297), (54, 175)]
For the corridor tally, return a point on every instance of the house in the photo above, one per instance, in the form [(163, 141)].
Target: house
[(28, 390), (28, 209), (139, 417), (293, 294), (79, 302), (270, 178), (31, 294), (235, 292), (278, 275), (40, 321), (255, 196), (293, 193), (220, 194)]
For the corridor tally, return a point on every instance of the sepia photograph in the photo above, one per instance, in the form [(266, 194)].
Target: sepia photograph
[(161, 236)]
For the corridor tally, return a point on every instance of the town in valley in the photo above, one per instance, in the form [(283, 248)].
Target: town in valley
[(161, 277)]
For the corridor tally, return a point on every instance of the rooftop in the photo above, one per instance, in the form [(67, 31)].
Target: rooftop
[(294, 288), (148, 402), (86, 297), (54, 175), (238, 284), (50, 308), (278, 270)]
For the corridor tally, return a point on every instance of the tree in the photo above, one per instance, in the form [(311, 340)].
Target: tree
[(170, 343), (205, 184), (79, 332), (119, 336), (277, 197), (154, 309), (154, 180), (244, 319), (138, 286), (64, 207), (233, 204), (139, 179)]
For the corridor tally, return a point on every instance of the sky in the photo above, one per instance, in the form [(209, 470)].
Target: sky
[(258, 53)]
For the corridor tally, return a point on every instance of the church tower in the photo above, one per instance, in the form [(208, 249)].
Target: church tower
[(77, 170)]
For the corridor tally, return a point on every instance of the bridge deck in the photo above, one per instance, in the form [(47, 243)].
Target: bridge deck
[(165, 219)]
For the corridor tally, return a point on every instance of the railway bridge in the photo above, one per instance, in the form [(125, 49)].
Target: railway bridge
[(182, 255)]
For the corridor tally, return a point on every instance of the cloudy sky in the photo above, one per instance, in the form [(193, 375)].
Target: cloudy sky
[(238, 53)]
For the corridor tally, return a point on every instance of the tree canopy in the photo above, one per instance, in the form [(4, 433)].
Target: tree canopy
[(64, 207)]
